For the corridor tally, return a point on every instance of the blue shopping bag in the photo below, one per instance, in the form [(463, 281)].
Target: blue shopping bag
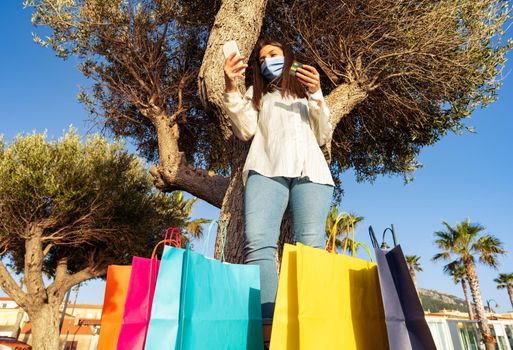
[(163, 326)]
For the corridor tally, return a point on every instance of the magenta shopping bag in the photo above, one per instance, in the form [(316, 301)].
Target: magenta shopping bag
[(136, 315), (139, 299)]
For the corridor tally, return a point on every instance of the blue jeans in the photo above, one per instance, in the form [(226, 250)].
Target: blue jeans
[(265, 202)]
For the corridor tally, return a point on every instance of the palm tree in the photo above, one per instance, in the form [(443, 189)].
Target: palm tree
[(183, 211), (456, 270), (466, 242), (342, 227), (505, 281), (413, 266)]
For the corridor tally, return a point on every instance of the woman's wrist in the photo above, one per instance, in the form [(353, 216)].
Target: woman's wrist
[(230, 86)]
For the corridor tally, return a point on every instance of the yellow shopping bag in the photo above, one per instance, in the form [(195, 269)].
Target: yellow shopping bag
[(285, 328), (327, 301)]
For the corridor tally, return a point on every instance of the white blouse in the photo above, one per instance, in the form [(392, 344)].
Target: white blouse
[(287, 134)]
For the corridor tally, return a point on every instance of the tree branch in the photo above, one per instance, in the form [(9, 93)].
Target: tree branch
[(343, 99), (201, 183), (9, 286), (83, 275), (174, 173)]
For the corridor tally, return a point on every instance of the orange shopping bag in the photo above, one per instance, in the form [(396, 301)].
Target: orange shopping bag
[(118, 277)]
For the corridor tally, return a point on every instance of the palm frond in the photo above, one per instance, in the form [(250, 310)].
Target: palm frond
[(195, 228), (441, 256), (505, 280), (413, 262), (189, 204)]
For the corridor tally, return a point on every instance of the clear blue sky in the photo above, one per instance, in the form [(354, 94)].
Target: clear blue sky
[(463, 176)]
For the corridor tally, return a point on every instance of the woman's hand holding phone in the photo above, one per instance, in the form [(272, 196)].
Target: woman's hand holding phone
[(234, 67), (309, 77)]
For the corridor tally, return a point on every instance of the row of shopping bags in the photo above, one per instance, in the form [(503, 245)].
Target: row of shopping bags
[(325, 301), (334, 301), (185, 301)]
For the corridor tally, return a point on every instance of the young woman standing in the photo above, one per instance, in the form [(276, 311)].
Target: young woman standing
[(287, 120)]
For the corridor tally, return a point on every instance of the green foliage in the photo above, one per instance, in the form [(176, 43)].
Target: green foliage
[(456, 269), (94, 202), (466, 242), (413, 262), (138, 54), (424, 67), (504, 281)]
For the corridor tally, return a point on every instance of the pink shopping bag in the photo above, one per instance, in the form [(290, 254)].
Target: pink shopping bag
[(139, 299)]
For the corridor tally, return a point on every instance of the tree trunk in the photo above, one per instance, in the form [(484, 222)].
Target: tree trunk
[(236, 20), (232, 208), (467, 299), (45, 327), (484, 324), (239, 21), (510, 292)]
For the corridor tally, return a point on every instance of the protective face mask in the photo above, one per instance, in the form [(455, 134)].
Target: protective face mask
[(272, 67)]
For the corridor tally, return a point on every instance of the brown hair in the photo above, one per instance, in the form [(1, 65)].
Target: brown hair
[(288, 85)]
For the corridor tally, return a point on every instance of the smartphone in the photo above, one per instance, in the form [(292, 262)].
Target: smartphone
[(230, 47), (293, 68)]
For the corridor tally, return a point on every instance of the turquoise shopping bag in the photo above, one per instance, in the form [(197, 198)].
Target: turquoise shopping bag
[(203, 303), (163, 326), (220, 306)]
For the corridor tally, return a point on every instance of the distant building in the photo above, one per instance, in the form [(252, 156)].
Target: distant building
[(452, 330), (9, 312), (79, 331)]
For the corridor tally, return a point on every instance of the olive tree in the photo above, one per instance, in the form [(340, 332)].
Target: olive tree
[(397, 75), (68, 209)]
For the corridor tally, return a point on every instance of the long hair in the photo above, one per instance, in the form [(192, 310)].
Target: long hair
[(287, 84)]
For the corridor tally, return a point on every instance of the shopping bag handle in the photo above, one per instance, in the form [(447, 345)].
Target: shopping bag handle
[(373, 238), (223, 229), (350, 230), (383, 245), (173, 232), (392, 231), (366, 247), (224, 232), (169, 240)]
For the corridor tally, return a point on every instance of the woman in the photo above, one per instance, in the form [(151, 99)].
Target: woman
[(287, 119)]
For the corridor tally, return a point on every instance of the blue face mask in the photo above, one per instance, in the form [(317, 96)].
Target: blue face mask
[(272, 67)]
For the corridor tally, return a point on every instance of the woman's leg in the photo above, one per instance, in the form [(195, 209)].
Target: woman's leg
[(310, 203), (265, 201)]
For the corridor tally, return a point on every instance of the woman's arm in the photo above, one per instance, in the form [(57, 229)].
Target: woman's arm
[(319, 116), (242, 114), (240, 111), (318, 111)]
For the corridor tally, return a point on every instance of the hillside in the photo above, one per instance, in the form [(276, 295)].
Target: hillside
[(434, 301)]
